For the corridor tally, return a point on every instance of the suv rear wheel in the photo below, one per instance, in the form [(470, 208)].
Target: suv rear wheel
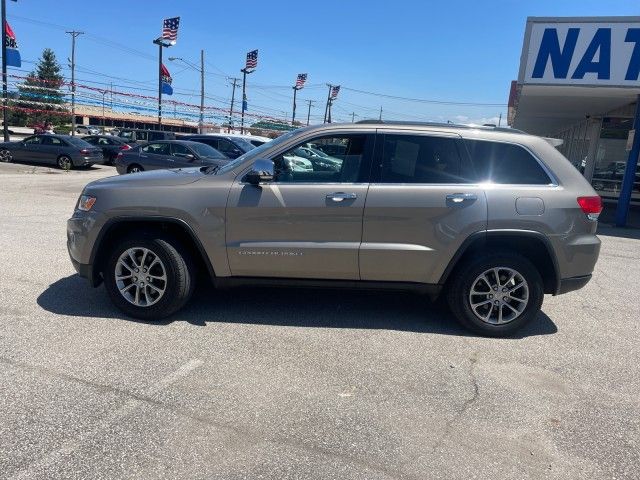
[(149, 278), (496, 294)]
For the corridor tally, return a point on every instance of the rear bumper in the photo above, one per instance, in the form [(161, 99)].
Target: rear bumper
[(572, 283)]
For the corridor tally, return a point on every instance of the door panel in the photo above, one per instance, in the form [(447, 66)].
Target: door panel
[(295, 230), (411, 232), (419, 207), (307, 223)]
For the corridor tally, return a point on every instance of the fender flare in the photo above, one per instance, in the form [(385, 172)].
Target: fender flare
[(485, 235), (95, 280)]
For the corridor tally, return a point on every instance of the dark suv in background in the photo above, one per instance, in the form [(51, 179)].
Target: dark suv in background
[(135, 135), (232, 146), (490, 218)]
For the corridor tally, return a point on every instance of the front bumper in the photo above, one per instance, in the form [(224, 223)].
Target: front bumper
[(82, 232), (572, 283)]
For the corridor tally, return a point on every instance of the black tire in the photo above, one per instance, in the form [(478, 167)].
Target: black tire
[(459, 289), (180, 273), (65, 162), (133, 168), (5, 156)]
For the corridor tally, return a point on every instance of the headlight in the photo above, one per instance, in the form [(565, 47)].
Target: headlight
[(86, 202)]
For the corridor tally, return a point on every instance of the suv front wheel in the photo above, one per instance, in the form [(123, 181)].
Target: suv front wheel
[(149, 278), (496, 294)]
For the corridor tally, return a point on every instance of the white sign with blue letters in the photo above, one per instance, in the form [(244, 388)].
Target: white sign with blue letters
[(600, 53)]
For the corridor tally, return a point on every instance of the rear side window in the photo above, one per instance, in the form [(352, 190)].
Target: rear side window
[(505, 163), (420, 159)]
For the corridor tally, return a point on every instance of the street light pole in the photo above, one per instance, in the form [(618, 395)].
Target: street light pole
[(159, 41), (326, 108), (73, 34)]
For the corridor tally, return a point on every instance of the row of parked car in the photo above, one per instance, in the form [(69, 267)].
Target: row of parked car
[(131, 150)]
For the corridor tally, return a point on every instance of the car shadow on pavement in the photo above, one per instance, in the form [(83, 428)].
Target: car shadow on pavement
[(293, 307)]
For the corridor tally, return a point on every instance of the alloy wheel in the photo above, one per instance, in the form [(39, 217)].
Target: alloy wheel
[(499, 295), (5, 156), (141, 276), (65, 163)]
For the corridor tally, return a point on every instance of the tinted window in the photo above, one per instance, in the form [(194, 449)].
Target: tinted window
[(299, 165), (420, 159), (79, 142), (179, 150), (92, 140), (157, 149), (505, 163), (52, 141), (32, 140), (204, 150)]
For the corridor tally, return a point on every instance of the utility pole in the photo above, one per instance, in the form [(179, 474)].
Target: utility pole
[(233, 97), (326, 108), (500, 119), (380, 118), (74, 34), (310, 102), (201, 70), (353, 117), (5, 127)]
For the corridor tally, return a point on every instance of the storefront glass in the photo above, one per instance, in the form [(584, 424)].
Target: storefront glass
[(611, 158)]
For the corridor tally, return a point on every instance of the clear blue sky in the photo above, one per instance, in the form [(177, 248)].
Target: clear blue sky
[(443, 50)]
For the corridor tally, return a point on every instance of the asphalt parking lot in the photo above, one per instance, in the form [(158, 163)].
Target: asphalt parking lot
[(268, 383)]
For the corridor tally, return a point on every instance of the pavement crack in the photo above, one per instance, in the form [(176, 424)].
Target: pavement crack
[(473, 359)]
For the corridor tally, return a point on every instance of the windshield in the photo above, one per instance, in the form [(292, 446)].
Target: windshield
[(204, 150), (256, 152), (126, 134)]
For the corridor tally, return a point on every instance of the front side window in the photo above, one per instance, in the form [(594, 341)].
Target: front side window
[(421, 159), (178, 150), (157, 149), (304, 163), (505, 163)]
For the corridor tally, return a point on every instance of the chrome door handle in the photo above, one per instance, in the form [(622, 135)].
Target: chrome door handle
[(340, 196), (461, 197)]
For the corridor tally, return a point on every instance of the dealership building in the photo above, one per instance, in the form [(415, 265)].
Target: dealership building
[(579, 81)]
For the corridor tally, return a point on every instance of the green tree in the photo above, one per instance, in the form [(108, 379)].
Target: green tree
[(41, 91)]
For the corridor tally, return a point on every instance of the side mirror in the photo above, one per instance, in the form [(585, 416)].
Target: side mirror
[(190, 157), (261, 172)]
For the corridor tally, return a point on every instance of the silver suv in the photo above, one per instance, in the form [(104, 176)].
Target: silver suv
[(490, 218)]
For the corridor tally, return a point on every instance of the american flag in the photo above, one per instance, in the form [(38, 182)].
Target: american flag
[(252, 60), (11, 37), (170, 28), (334, 92), (302, 78)]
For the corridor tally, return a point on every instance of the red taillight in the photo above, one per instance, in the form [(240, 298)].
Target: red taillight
[(591, 206), (125, 147)]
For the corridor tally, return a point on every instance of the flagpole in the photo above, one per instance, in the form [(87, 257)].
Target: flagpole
[(5, 128), (244, 99), (159, 84), (326, 108), (293, 117)]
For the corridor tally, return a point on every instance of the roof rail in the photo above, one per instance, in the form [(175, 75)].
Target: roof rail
[(486, 126)]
